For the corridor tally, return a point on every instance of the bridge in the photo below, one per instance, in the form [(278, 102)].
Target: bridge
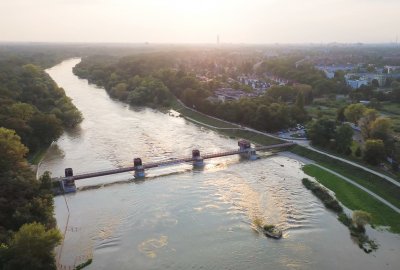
[(67, 182)]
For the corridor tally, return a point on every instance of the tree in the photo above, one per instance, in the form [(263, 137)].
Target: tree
[(300, 101), (395, 165), (262, 117), (395, 95), (361, 218), (306, 90), (12, 151), (321, 131), (340, 114), (31, 248), (354, 112), (374, 152), (358, 152), (365, 121), (344, 138), (120, 91), (381, 129), (371, 68), (375, 83), (47, 127), (22, 111)]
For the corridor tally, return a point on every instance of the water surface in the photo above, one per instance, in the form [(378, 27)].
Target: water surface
[(179, 218)]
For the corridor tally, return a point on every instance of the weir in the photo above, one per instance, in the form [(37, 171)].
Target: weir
[(67, 183)]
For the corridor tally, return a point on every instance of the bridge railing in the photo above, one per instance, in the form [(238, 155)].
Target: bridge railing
[(168, 162)]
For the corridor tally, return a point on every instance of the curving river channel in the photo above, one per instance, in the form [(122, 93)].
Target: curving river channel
[(180, 218)]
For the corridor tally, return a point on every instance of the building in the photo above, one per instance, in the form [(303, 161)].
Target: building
[(226, 94), (330, 70), (329, 74), (254, 83), (229, 94), (355, 81), (392, 69)]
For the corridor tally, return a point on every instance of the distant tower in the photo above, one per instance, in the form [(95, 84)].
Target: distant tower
[(218, 39)]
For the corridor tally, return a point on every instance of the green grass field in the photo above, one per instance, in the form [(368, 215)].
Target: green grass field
[(392, 108), (324, 106), (356, 199), (378, 185)]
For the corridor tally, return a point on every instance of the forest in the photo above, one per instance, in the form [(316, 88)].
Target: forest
[(34, 111), (156, 79)]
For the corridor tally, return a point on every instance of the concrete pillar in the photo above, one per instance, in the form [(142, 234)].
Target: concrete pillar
[(68, 183), (246, 151), (139, 170), (197, 159)]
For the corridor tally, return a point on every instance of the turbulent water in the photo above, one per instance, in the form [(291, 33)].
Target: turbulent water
[(180, 218)]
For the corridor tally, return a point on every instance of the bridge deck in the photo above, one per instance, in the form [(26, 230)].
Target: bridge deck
[(168, 162)]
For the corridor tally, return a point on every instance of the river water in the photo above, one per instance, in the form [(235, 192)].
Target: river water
[(180, 218)]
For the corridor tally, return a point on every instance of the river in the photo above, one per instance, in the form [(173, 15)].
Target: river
[(180, 218)]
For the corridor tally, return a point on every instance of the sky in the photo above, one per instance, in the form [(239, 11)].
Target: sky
[(200, 21)]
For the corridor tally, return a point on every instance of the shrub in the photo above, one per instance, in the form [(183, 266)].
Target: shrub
[(345, 219), (358, 152), (83, 265), (323, 195)]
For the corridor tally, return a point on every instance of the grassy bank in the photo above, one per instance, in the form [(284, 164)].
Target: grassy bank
[(359, 161), (378, 185), (356, 199), (200, 117), (37, 156), (233, 133)]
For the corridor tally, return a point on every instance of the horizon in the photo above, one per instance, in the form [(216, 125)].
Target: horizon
[(200, 22), (144, 43)]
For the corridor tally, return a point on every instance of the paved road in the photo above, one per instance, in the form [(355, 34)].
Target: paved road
[(361, 187), (388, 178)]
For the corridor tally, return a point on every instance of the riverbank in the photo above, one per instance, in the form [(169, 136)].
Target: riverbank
[(357, 232), (360, 162), (356, 199), (231, 130), (376, 184), (36, 158), (383, 215)]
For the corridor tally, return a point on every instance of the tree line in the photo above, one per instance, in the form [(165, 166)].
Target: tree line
[(375, 132), (34, 111), (153, 80), (33, 105)]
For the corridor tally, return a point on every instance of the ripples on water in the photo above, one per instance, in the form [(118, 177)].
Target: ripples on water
[(180, 218)]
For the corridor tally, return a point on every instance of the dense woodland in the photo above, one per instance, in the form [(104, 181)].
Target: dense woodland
[(155, 79), (34, 111)]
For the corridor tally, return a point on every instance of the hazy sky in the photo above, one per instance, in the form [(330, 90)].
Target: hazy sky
[(199, 21)]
